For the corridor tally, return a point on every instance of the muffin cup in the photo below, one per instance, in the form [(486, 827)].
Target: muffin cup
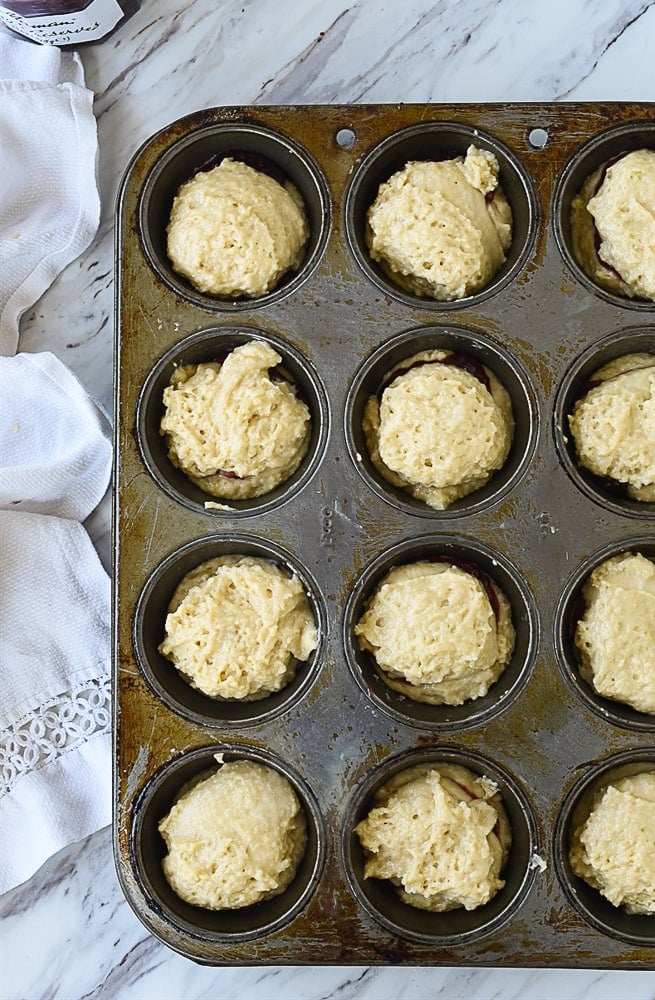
[(570, 609), (205, 346), (162, 676), (620, 139), (461, 341), (455, 927), (191, 152), (637, 929), (501, 694), (632, 340), (429, 141), (147, 850)]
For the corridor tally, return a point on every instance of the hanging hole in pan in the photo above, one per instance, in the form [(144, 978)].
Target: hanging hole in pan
[(538, 138), (346, 138)]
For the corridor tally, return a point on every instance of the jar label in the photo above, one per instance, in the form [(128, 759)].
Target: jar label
[(88, 25)]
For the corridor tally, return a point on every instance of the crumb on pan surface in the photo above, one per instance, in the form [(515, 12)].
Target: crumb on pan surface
[(235, 231), (233, 429), (437, 430), (440, 835), (234, 838), (435, 634), (616, 635), (614, 848), (441, 229), (613, 225), (613, 424), (238, 627)]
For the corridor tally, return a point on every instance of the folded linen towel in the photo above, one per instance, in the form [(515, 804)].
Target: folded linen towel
[(55, 741), (50, 208), (55, 463)]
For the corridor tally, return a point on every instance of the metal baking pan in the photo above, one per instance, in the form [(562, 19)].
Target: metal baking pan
[(537, 528)]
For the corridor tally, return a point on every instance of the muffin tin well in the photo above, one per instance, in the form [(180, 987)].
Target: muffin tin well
[(634, 929), (536, 528), (199, 348), (438, 140), (147, 849), (445, 718), (494, 356), (600, 148), (459, 925), (570, 609)]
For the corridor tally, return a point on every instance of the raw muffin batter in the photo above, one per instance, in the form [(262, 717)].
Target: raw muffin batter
[(614, 849), (234, 838), (441, 229), (234, 428), (613, 424), (440, 427), (237, 628), (616, 635), (234, 231), (438, 633), (440, 835), (613, 225)]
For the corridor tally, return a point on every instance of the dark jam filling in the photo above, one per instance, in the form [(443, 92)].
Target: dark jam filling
[(464, 788), (612, 487), (463, 361), (255, 160), (276, 374)]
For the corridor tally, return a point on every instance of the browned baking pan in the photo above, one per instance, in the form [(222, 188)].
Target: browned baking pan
[(537, 527)]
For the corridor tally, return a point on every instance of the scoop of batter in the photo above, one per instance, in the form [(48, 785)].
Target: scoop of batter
[(234, 838), (233, 428), (433, 632), (613, 225), (614, 848), (237, 627), (235, 231), (616, 635), (613, 425), (440, 835), (441, 229), (437, 430)]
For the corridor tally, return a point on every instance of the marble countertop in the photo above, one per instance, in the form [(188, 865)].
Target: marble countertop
[(68, 932)]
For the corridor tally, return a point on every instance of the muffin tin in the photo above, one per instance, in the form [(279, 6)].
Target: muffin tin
[(537, 528)]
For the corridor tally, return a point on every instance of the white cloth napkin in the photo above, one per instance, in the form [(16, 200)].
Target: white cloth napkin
[(50, 207), (55, 463)]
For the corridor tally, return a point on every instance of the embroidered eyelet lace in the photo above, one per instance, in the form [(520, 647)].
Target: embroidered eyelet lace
[(55, 728)]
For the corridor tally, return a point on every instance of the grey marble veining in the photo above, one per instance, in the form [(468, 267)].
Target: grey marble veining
[(68, 932)]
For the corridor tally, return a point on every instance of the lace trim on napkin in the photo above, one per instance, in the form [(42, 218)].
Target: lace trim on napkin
[(55, 728)]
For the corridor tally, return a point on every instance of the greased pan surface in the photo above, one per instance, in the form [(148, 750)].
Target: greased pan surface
[(536, 529)]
